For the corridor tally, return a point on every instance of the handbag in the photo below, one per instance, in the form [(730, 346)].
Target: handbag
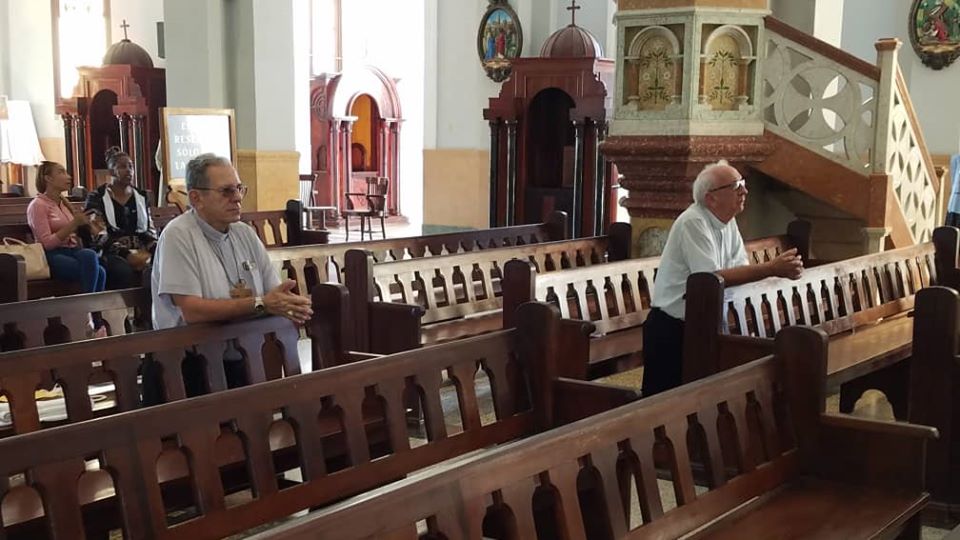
[(33, 254)]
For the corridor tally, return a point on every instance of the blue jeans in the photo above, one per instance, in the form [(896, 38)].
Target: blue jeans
[(76, 264)]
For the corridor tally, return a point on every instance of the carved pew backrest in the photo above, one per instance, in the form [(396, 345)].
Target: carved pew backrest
[(50, 321), (453, 286), (589, 475), (836, 297), (310, 265), (268, 348), (271, 226), (345, 426), (612, 296)]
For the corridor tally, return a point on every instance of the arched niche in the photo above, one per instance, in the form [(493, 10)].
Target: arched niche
[(104, 133), (654, 73), (359, 108), (726, 63)]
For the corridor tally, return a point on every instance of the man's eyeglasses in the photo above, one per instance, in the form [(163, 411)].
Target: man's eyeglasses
[(228, 192), (738, 185)]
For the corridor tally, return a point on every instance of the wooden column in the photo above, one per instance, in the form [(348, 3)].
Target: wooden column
[(494, 168), (80, 128), (69, 136), (602, 190), (576, 214), (333, 162), (123, 120), (138, 153), (511, 172), (347, 134), (395, 170)]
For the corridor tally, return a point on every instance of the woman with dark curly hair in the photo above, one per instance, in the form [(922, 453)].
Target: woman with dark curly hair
[(128, 239)]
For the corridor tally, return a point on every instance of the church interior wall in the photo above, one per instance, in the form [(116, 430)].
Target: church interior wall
[(4, 47), (933, 92), (460, 90), (142, 16)]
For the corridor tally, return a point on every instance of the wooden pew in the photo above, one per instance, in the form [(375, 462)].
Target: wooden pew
[(618, 314), (817, 475), (277, 228), (934, 391), (343, 428), (269, 348), (51, 321), (862, 303), (458, 295), (311, 265)]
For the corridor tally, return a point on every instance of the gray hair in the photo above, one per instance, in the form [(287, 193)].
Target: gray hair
[(197, 169), (704, 181)]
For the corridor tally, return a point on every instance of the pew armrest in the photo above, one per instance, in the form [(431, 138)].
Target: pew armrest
[(13, 278), (573, 351), (874, 453), (577, 399), (394, 327)]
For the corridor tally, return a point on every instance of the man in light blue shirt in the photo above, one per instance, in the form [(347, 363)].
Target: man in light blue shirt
[(208, 266), (704, 238)]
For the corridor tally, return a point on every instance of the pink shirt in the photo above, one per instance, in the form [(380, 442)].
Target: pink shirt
[(45, 217)]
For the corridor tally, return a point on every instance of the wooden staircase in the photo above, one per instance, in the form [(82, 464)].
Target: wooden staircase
[(845, 133)]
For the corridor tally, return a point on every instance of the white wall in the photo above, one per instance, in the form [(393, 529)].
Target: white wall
[(31, 63), (932, 92), (301, 77), (4, 47), (462, 89), (142, 16), (195, 53)]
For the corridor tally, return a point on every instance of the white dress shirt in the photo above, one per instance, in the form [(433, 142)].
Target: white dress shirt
[(698, 242)]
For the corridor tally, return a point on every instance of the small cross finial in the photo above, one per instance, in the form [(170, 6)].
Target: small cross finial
[(573, 12), (125, 26)]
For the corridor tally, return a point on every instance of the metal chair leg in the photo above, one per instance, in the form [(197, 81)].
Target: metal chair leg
[(383, 229), (346, 225)]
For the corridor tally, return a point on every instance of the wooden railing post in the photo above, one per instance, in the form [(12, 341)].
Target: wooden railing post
[(887, 62)]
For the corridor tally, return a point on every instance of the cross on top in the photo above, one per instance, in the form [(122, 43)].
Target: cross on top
[(573, 12), (125, 26)]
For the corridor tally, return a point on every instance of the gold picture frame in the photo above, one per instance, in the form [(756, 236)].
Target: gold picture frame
[(189, 132)]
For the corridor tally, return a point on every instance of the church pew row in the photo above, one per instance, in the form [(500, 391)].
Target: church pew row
[(276, 228), (51, 321), (457, 295), (934, 392), (778, 466), (866, 307), (313, 261), (862, 304), (343, 428), (268, 347), (311, 265), (455, 310)]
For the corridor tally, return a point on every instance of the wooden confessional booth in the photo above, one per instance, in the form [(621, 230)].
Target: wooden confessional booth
[(117, 104), (545, 130)]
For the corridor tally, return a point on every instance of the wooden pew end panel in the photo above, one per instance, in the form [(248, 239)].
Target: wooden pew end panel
[(13, 278), (394, 327), (578, 399), (873, 453)]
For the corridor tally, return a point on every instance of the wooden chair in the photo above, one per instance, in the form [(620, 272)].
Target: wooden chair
[(367, 205), (308, 197)]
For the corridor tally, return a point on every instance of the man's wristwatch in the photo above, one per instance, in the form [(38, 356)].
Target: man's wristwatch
[(258, 306)]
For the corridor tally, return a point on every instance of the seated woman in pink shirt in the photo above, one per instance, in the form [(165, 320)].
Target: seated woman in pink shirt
[(54, 224)]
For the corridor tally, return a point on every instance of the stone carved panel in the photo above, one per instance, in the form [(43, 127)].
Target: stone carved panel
[(818, 103), (654, 69), (725, 79)]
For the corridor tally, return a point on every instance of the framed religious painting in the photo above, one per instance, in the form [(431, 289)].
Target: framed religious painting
[(935, 31), (499, 39), (186, 133)]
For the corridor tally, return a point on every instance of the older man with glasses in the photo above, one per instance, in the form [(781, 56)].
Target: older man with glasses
[(704, 238), (209, 266)]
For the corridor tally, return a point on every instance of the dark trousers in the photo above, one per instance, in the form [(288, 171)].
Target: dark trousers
[(194, 377), (119, 273), (662, 353)]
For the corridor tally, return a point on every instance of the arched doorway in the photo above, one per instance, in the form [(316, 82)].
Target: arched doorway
[(356, 116), (364, 142), (550, 139), (104, 133)]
